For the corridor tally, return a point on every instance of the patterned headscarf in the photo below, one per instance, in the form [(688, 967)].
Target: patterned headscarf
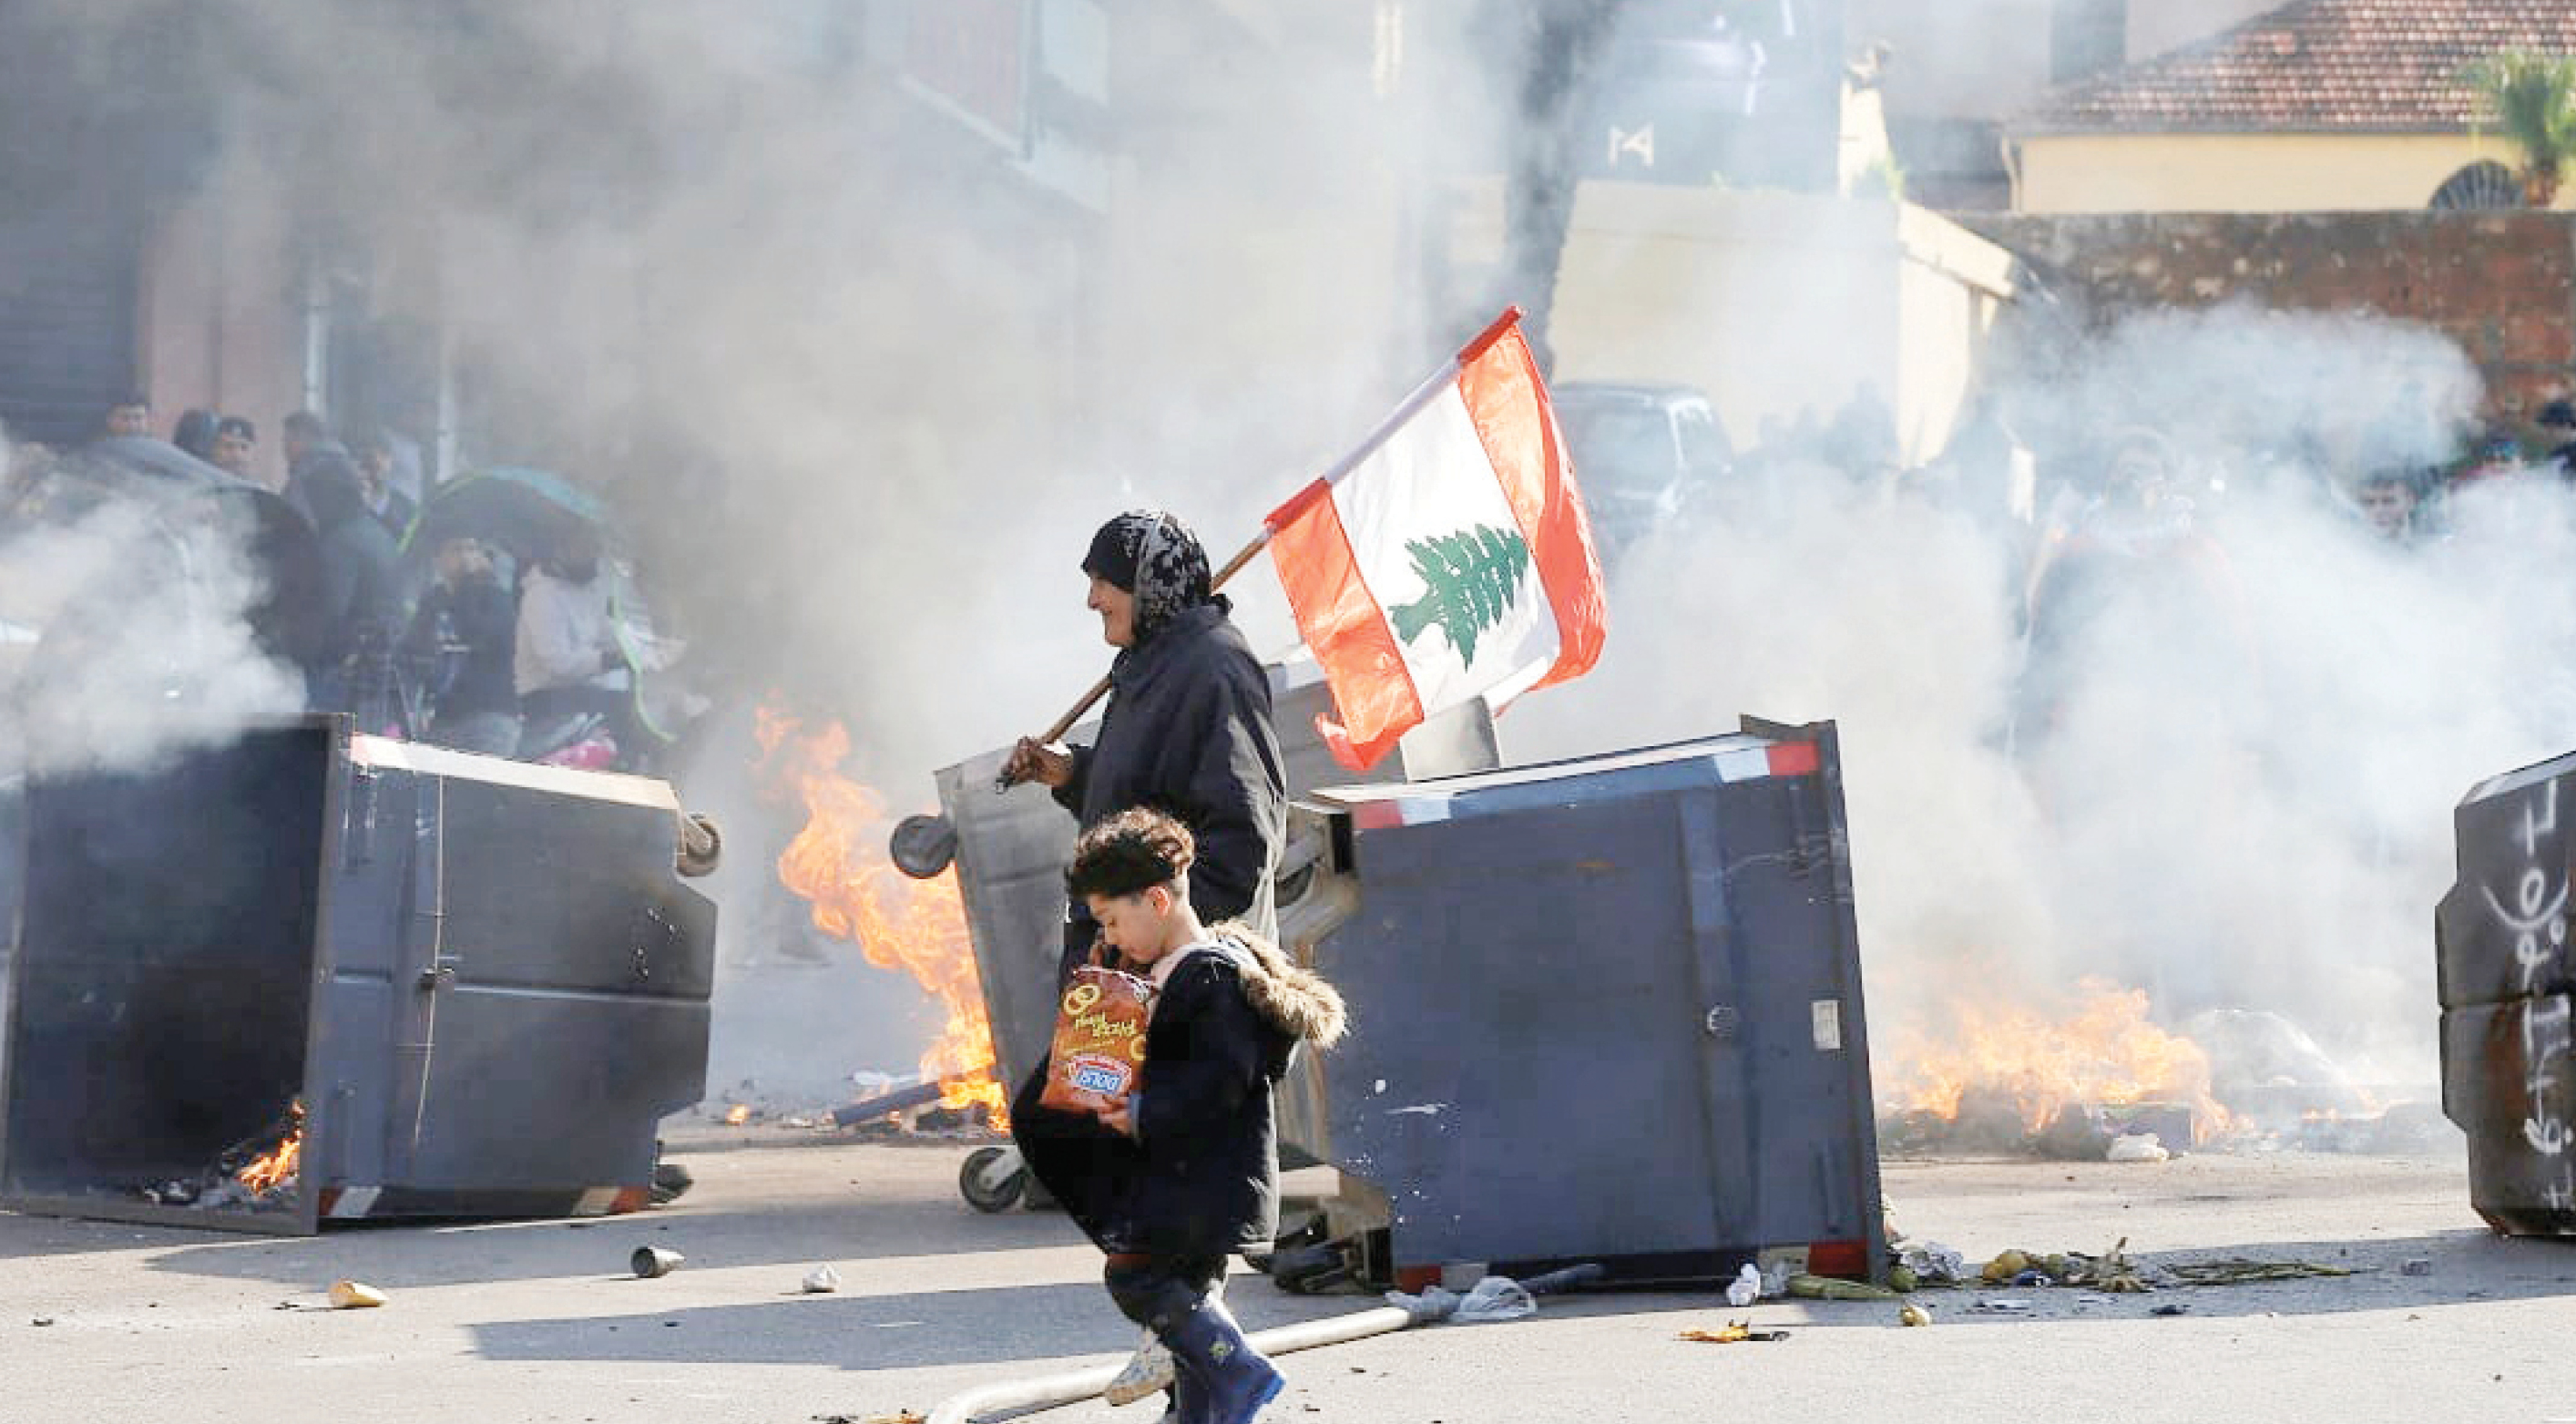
[(1154, 556)]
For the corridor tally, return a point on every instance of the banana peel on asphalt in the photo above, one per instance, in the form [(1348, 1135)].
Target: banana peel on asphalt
[(1734, 1332)]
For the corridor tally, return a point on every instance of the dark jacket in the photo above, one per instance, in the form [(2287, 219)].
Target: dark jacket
[(362, 594), (469, 633), (1188, 733), (1201, 1177)]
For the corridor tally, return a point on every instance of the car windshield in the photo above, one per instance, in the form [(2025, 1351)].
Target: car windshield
[(1627, 447), (1704, 447)]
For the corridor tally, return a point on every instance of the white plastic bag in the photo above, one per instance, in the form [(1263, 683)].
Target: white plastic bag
[(1746, 1288)]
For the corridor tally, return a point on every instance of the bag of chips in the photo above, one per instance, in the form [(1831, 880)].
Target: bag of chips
[(1099, 1051)]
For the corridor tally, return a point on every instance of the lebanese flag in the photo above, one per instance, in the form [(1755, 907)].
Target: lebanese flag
[(1446, 559)]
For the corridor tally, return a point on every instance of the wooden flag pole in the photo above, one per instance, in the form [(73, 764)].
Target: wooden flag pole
[(1405, 410)]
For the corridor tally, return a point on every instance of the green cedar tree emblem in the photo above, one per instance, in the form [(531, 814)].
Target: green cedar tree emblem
[(1473, 576)]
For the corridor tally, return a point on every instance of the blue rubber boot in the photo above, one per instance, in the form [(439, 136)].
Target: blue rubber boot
[(1232, 1380)]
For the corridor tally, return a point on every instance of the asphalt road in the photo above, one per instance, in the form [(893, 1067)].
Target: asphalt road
[(541, 1321)]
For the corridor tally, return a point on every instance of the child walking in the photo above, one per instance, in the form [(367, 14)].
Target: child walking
[(1202, 1180)]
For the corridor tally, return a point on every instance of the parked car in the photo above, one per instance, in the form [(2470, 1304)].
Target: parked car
[(1640, 453)]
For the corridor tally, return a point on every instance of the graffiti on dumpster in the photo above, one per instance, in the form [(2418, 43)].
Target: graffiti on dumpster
[(2537, 920)]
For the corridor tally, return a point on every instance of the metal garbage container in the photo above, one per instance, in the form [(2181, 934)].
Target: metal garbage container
[(2506, 976), (476, 985), (1012, 849), (1606, 1010)]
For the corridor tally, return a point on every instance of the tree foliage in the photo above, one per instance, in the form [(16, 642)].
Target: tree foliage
[(2531, 97)]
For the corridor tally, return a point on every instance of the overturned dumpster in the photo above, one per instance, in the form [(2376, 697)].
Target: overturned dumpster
[(1012, 849), (2506, 975), (309, 976), (1605, 1011)]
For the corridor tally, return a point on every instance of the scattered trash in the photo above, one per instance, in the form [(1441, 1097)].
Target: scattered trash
[(2089, 1298), (354, 1295), (822, 1280), (2136, 1147), (1913, 1315), (737, 1115), (2416, 1266), (2002, 1305), (1775, 1278), (1746, 1288), (41, 1321), (653, 1262), (2236, 1271), (1493, 1300), (1734, 1332), (2005, 1266), (1902, 1280), (1834, 1288), (1935, 1262), (2175, 1308), (2032, 1277)]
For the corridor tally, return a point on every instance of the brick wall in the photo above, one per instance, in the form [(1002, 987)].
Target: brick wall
[(2503, 285)]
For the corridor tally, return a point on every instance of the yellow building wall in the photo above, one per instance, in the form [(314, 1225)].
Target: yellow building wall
[(1773, 303), (2239, 173)]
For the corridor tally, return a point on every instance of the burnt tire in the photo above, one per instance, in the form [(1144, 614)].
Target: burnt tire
[(985, 1190)]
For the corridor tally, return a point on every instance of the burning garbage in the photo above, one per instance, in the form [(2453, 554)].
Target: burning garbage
[(2022, 1076), (838, 862), (259, 1171), (2095, 1078)]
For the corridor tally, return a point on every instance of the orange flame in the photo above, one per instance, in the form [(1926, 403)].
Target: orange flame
[(2102, 1050), (839, 863), (277, 1166)]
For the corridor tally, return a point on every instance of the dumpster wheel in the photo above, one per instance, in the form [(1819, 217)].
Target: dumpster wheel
[(993, 1179)]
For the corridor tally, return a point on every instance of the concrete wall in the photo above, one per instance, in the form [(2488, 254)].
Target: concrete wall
[(2227, 173), (221, 316), (2503, 285), (1773, 303)]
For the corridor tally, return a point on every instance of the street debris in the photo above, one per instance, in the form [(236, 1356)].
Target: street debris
[(41, 1321), (900, 1416), (737, 1115), (1491, 1301), (822, 1280), (1912, 1314), (2238, 1271), (1746, 1288), (2416, 1266), (2136, 1147), (653, 1262), (1734, 1332), (355, 1295), (1834, 1288), (2172, 1308), (2002, 1305), (1934, 1264)]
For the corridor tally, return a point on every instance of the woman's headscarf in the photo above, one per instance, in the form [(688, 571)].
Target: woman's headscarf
[(1154, 556)]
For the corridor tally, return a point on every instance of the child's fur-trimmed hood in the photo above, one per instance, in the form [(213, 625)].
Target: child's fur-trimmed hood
[(1293, 997)]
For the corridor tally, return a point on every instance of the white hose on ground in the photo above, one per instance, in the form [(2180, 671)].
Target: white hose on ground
[(1074, 1386)]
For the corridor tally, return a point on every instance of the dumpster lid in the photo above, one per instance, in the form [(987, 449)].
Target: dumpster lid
[(1741, 756)]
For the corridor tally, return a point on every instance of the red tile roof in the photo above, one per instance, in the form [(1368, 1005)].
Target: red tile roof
[(2316, 66)]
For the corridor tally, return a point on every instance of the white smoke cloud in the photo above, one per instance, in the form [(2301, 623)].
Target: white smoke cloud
[(148, 648), (2240, 792)]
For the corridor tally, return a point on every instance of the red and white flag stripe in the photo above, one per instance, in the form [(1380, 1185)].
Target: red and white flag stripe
[(1449, 557)]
